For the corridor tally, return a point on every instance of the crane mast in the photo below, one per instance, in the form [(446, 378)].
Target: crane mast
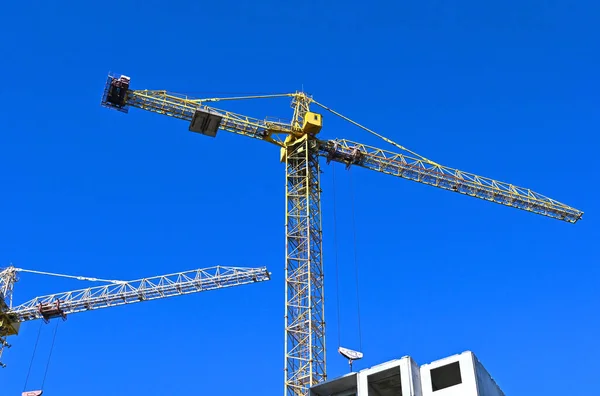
[(300, 150), (304, 294), (8, 277), (114, 294)]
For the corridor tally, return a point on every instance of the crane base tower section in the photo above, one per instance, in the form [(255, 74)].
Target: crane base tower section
[(457, 375)]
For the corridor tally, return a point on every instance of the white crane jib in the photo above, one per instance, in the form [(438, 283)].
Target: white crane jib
[(113, 294)]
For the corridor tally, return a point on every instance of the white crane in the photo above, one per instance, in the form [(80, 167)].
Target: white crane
[(113, 294)]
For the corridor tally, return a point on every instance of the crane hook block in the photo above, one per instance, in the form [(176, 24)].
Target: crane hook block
[(206, 122), (32, 393), (115, 93)]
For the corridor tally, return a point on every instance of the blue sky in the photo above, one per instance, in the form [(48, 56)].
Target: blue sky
[(508, 90)]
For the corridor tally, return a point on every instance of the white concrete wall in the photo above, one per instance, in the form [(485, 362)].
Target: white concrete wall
[(486, 385), (408, 370), (468, 386), (416, 381)]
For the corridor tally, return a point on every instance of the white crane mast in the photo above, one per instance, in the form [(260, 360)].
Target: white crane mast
[(8, 277)]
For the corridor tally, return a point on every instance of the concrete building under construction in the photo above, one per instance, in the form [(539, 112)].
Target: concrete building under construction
[(457, 375)]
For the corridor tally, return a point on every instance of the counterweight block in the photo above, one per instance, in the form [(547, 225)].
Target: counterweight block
[(205, 122)]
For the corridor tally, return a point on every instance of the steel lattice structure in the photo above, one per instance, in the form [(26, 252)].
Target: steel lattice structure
[(305, 305), (305, 358), (304, 293), (427, 172), (115, 294), (8, 277)]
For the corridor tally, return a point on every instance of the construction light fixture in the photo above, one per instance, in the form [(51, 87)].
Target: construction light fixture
[(350, 355)]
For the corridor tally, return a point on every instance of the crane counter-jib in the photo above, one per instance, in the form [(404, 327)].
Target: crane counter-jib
[(203, 119)]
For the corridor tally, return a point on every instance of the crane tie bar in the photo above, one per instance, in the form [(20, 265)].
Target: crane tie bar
[(81, 278)]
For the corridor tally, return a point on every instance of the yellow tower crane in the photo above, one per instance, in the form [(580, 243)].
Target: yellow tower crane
[(300, 150)]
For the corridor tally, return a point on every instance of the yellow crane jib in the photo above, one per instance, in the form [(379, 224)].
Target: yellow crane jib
[(416, 169)]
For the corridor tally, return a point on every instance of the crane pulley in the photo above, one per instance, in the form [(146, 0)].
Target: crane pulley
[(301, 149)]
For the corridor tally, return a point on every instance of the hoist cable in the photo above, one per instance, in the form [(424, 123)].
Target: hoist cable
[(355, 260), (387, 140), (32, 357), (50, 355), (335, 247)]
